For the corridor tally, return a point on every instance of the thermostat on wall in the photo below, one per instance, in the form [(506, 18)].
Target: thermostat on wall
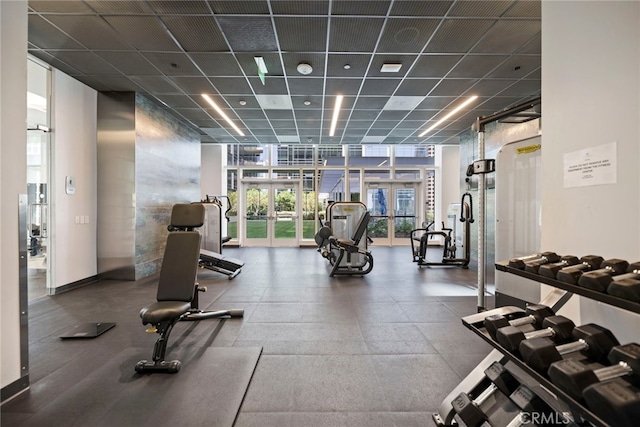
[(70, 185)]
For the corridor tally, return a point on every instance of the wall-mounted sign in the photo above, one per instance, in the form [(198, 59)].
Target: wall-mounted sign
[(591, 166)]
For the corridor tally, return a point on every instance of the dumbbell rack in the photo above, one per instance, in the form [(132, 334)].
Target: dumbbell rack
[(557, 399), (574, 289)]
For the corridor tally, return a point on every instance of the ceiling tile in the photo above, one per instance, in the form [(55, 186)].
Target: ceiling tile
[(248, 33), (403, 103), (94, 32), (130, 63), (216, 64), (406, 35), (194, 85), (302, 34), (172, 63), (416, 87), (507, 37), (374, 86), (274, 102), (143, 32), (87, 63), (354, 34), (231, 85), (44, 35), (221, 7), (421, 8), (196, 33), (458, 35)]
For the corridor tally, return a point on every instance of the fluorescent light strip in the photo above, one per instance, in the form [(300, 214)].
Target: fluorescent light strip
[(336, 112), (224, 116), (451, 113)]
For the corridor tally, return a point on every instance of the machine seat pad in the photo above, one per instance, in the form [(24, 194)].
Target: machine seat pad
[(346, 244), (163, 310)]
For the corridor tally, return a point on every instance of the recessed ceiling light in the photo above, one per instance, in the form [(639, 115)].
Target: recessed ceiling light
[(307, 102), (242, 102), (304, 68), (390, 68), (346, 66)]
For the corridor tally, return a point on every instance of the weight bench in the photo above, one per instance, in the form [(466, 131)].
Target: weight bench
[(220, 263), (177, 295), (349, 247)]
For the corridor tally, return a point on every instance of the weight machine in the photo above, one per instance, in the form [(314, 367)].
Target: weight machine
[(452, 240), (211, 256)]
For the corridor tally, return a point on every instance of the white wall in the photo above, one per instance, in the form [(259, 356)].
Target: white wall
[(591, 97), (212, 174), (13, 177), (213, 178), (74, 154), (447, 180)]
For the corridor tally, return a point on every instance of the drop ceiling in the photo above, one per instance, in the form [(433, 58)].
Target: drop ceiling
[(174, 51)]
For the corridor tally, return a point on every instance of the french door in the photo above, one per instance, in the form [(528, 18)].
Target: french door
[(271, 214), (393, 209)]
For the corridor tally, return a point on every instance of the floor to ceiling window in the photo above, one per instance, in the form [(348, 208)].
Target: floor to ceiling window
[(280, 193)]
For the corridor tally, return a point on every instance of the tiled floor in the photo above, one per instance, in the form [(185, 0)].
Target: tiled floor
[(380, 350)]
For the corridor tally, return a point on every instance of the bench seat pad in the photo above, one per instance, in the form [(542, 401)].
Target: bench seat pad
[(163, 310)]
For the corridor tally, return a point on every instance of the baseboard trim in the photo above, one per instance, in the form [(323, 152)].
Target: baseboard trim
[(14, 389), (75, 285)]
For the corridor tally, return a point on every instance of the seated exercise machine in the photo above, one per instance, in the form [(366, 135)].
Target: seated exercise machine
[(346, 251), (420, 237), (177, 296), (211, 256)]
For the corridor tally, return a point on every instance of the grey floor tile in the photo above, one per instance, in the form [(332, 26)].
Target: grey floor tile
[(415, 382), (299, 332), (428, 312), (391, 332), (378, 350)]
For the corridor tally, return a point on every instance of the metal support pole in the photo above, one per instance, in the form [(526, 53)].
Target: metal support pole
[(481, 225)]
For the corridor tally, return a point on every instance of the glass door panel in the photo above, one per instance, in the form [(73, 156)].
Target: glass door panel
[(404, 212), (271, 214), (309, 205), (393, 209), (256, 216), (377, 198), (285, 218)]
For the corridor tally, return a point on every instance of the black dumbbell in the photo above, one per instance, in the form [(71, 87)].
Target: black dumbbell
[(599, 280), (572, 274), (573, 376), (628, 289), (593, 341), (534, 315), (519, 263), (558, 328), (501, 378), (469, 409), (532, 408), (565, 261), (551, 270), (617, 403)]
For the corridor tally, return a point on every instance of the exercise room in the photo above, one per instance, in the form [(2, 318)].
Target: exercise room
[(320, 213)]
